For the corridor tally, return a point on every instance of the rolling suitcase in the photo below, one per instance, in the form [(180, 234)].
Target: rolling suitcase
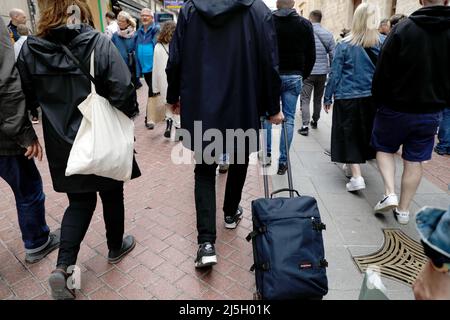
[(288, 250)]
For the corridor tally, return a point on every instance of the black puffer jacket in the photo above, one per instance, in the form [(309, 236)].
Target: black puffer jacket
[(16, 131), (52, 80)]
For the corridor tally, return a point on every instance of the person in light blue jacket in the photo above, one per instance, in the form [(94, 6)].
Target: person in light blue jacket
[(350, 85), (147, 37)]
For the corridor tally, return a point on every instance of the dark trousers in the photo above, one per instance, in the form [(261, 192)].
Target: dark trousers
[(316, 83), (78, 216), (25, 181), (148, 80), (205, 197), (34, 113)]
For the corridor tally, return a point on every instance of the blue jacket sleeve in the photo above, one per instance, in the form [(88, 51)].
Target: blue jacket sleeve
[(336, 73)]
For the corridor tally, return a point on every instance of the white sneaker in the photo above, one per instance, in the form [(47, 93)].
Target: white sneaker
[(388, 203), (401, 217), (356, 184)]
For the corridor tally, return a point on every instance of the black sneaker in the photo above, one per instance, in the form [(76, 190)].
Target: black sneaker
[(304, 131), (53, 244), (206, 255), (169, 123), (128, 244), (314, 124), (178, 135), (282, 168), (58, 285), (223, 168), (231, 222)]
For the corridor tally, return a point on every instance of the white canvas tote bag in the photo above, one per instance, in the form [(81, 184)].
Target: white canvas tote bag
[(104, 144)]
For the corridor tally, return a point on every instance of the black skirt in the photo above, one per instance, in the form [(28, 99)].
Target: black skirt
[(352, 130)]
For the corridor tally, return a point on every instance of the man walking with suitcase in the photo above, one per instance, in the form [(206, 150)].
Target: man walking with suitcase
[(226, 79)]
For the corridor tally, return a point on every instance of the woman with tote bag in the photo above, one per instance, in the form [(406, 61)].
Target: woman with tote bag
[(54, 81)]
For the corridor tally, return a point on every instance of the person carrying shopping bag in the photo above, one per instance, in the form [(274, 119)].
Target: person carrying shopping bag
[(53, 79)]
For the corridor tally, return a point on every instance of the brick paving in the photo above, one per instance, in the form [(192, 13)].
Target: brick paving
[(437, 171), (160, 213)]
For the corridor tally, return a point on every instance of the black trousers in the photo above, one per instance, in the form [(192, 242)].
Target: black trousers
[(205, 197), (78, 216), (148, 80)]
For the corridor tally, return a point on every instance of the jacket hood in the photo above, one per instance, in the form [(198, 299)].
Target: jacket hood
[(435, 18), (217, 12), (285, 13), (81, 41)]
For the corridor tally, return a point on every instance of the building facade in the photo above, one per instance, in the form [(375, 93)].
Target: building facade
[(338, 14), (98, 8)]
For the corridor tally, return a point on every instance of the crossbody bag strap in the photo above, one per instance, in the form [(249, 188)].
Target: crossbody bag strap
[(321, 41), (80, 65), (373, 57), (164, 47)]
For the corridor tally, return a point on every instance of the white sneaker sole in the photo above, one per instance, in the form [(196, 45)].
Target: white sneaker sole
[(206, 262), (233, 225), (386, 209), (355, 188)]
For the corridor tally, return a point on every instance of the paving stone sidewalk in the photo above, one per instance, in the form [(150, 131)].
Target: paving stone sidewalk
[(160, 213)]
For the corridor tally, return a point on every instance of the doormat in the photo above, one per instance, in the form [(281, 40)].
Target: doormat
[(401, 258)]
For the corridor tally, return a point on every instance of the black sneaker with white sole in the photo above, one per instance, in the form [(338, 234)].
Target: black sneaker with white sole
[(206, 255), (231, 222)]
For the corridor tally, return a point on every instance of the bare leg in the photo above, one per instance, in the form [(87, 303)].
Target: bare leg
[(356, 170), (386, 164), (412, 174)]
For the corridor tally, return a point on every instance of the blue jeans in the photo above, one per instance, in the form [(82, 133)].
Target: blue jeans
[(444, 133), (25, 181), (291, 86)]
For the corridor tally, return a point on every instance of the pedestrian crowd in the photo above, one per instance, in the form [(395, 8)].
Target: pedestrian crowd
[(227, 65)]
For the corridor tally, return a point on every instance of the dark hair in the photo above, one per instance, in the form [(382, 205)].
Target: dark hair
[(344, 32), (110, 15), (316, 15), (396, 18)]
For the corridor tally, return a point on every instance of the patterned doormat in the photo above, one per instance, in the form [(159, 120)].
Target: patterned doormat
[(401, 258)]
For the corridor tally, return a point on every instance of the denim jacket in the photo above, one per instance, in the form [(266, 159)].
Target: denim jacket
[(434, 229), (351, 72)]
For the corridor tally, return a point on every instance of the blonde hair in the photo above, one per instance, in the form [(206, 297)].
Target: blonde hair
[(365, 24), (128, 17)]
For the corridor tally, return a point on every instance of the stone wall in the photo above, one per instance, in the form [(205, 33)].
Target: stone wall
[(338, 14)]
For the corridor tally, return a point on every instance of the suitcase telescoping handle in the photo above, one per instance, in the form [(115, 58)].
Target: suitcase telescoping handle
[(289, 171)]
